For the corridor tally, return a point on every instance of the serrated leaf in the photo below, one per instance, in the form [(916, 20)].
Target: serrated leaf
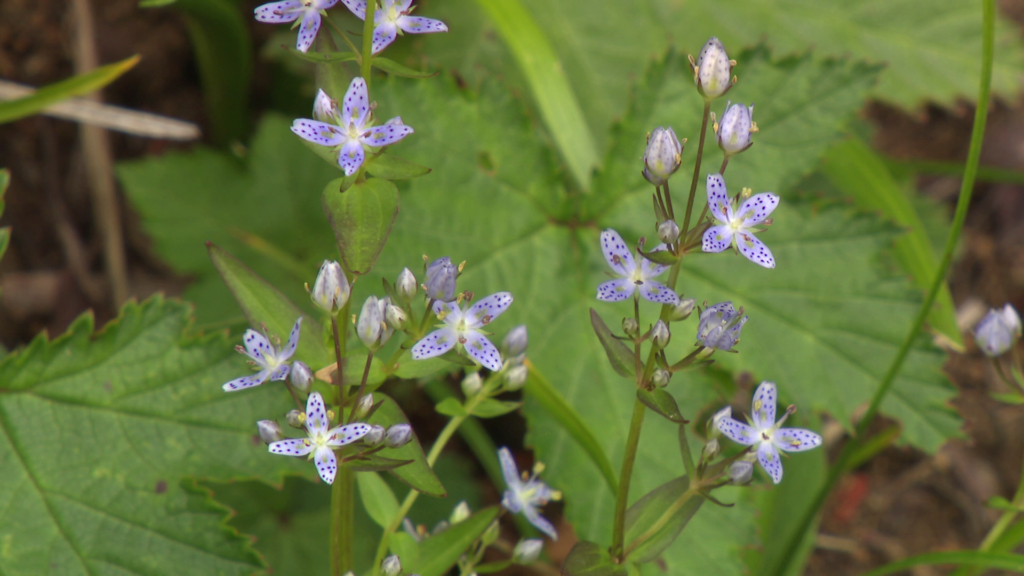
[(491, 408), (451, 407), (418, 473), (361, 217), (438, 553), (74, 86), (649, 510), (377, 498), (391, 167), (619, 356), (660, 401), (590, 559)]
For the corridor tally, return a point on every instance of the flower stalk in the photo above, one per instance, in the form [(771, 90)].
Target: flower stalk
[(622, 496)]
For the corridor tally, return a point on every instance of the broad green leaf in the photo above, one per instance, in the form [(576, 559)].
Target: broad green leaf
[(665, 513), (417, 474), (661, 402), (991, 560), (263, 304), (74, 86), (396, 69), (361, 217), (590, 559), (491, 408), (98, 431), (437, 554), (392, 167), (375, 463), (377, 498), (622, 359)]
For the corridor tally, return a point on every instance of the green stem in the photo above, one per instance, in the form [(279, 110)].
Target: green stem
[(662, 520), (684, 446), (668, 201), (632, 443), (1000, 527), (966, 189), (696, 167), (362, 388), (342, 521), (367, 59)]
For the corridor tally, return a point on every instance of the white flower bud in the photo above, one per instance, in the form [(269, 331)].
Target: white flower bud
[(515, 378), (515, 342), (325, 108), (374, 437), (396, 317), (270, 431), (735, 128), (371, 322), (331, 289), (668, 231), (660, 335), (663, 155), (711, 449), (460, 513), (661, 377), (630, 326), (301, 376), (741, 471), (405, 285), (997, 332), (472, 384), (440, 282), (398, 435), (527, 551), (720, 326), (364, 406), (295, 418), (712, 72), (391, 566), (682, 310)]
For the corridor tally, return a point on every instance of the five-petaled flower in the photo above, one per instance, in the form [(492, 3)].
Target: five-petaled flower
[(273, 363), (320, 444), (354, 131), (392, 18), (766, 432), (737, 227), (631, 275), (463, 326), (305, 13), (525, 493)]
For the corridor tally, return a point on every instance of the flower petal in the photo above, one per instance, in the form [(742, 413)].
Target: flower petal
[(308, 30), (383, 35), (509, 469), (718, 198), (291, 447), (757, 208), (754, 250), (347, 434), (351, 157), (356, 106), (280, 373), (650, 269), (246, 381), (716, 239), (434, 344), (257, 347), (762, 406), (293, 342), (418, 25), (658, 293), (769, 458), (540, 522), (616, 253), (316, 414), (358, 7), (511, 502), (738, 431), (795, 439), (326, 464), (615, 290), (480, 349), (490, 307), (316, 132), (386, 134), (278, 12)]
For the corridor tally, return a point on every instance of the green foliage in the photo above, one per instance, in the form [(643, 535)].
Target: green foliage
[(74, 86), (589, 559), (5, 232), (619, 355), (662, 403), (361, 217), (435, 555), (648, 513), (377, 498)]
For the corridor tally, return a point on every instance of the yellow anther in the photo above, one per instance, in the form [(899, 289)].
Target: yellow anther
[(538, 467), (556, 495)]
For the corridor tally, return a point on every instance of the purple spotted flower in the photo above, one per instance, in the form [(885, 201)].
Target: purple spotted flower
[(320, 444), (305, 14), (632, 276), (355, 130), (526, 493), (767, 433), (273, 363), (464, 327), (737, 227), (392, 19)]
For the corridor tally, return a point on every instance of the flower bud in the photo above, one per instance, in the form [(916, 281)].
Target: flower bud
[(296, 419), (998, 331), (741, 471), (331, 289), (630, 326), (440, 283), (396, 317), (527, 551), (270, 431), (490, 535), (405, 285), (364, 406), (391, 566), (515, 342), (668, 231), (515, 378), (398, 435), (712, 426), (371, 323), (663, 155), (661, 377), (460, 513), (682, 310), (711, 449), (734, 131), (301, 376), (325, 108), (660, 335), (712, 72), (374, 437), (472, 384), (720, 326)]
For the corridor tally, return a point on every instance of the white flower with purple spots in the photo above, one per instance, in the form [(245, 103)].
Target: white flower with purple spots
[(766, 432), (321, 442), (737, 227), (464, 327), (525, 493), (631, 275), (355, 131), (273, 363), (392, 19), (305, 14)]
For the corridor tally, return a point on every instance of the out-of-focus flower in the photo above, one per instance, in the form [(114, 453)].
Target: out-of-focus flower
[(525, 494), (998, 330), (305, 14)]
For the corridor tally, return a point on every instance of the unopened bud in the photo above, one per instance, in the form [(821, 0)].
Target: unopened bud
[(682, 310), (490, 535), (391, 566), (660, 335), (661, 377), (370, 323), (374, 437), (270, 431), (331, 289), (295, 419), (711, 449), (630, 326), (515, 378), (668, 231), (440, 282), (472, 384), (712, 72), (405, 285), (301, 376), (713, 426), (734, 131), (515, 341), (527, 551), (460, 513), (398, 435), (662, 156), (396, 317), (325, 108), (364, 406), (997, 332), (741, 471)]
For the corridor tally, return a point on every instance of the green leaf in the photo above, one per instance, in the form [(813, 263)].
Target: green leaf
[(491, 408), (661, 402), (74, 86), (648, 513), (377, 498), (418, 473), (437, 554), (622, 359), (590, 559), (375, 463), (396, 69), (319, 57), (992, 560), (392, 167), (1012, 398), (412, 369), (361, 217), (263, 304), (451, 407)]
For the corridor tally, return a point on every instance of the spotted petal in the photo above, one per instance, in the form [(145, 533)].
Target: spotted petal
[(356, 105), (769, 458), (491, 307), (347, 434), (279, 12), (762, 406), (650, 268), (540, 522), (481, 350), (616, 253), (383, 35), (434, 344), (716, 239), (358, 7), (417, 25), (658, 293), (280, 373), (757, 208), (316, 132), (326, 464), (308, 30), (246, 381), (718, 198), (257, 347), (293, 342), (738, 431), (795, 439), (615, 290), (351, 157), (754, 250), (291, 447), (316, 414), (386, 134)]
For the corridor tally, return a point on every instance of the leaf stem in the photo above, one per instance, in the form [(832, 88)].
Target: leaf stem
[(696, 167), (621, 497), (342, 521), (662, 520), (362, 388), (339, 373), (788, 554), (367, 59)]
